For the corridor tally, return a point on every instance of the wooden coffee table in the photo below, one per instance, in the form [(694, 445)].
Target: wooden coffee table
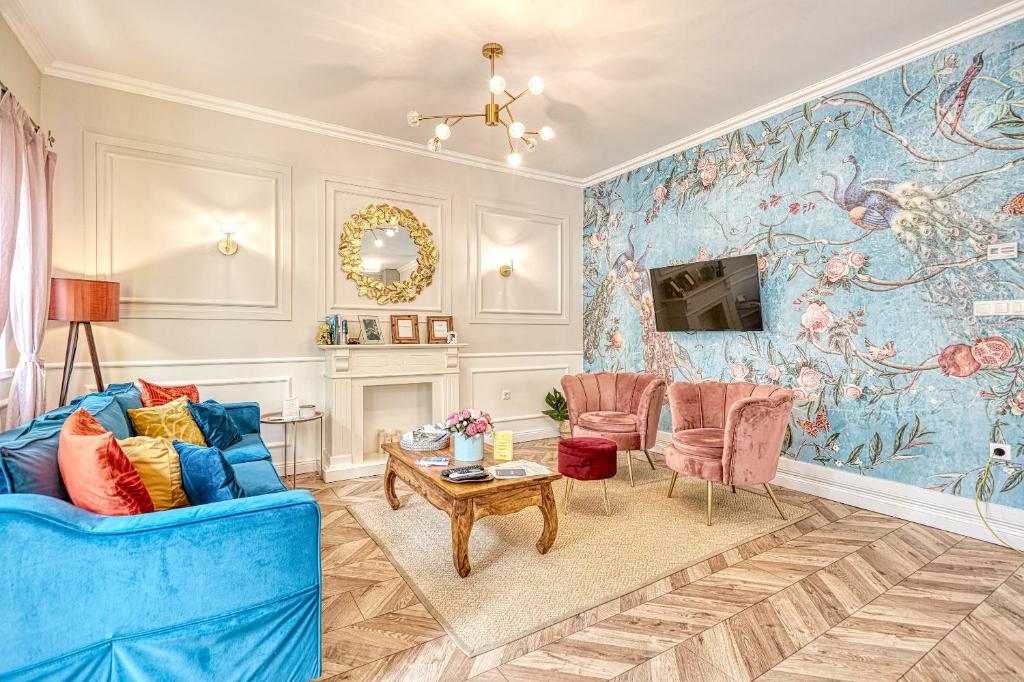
[(467, 502)]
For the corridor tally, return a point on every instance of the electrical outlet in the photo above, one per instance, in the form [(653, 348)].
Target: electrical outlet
[(999, 451), (1003, 251), (506, 395)]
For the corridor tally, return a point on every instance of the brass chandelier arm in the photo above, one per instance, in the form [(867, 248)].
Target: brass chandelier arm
[(447, 116)]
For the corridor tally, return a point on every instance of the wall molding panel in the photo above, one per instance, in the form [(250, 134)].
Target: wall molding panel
[(537, 292), (256, 194), (341, 197)]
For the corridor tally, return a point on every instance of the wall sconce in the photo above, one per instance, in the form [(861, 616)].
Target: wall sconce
[(227, 246), (507, 269)]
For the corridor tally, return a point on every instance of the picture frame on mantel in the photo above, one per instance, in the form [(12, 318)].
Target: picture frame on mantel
[(370, 331), (405, 329), (438, 327)]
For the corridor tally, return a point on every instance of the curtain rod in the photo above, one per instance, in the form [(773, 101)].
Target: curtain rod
[(35, 126)]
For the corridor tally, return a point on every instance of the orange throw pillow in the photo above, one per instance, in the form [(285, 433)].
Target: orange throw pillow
[(98, 475), (154, 396)]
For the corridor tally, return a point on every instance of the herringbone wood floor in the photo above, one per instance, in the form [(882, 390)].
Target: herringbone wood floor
[(845, 594)]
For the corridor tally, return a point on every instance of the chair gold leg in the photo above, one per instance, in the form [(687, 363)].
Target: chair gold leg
[(629, 465), (771, 494), (672, 483), (709, 502), (649, 460), (607, 507)]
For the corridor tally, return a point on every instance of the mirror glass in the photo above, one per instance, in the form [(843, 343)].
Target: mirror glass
[(388, 253)]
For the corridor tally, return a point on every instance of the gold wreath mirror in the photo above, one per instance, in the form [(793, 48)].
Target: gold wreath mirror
[(388, 253)]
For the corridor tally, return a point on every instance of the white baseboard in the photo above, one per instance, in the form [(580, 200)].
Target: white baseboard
[(304, 466), (919, 505), (534, 434)]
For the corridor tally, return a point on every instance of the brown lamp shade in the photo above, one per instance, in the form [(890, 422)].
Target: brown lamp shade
[(84, 300)]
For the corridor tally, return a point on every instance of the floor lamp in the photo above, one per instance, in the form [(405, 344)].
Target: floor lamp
[(80, 302)]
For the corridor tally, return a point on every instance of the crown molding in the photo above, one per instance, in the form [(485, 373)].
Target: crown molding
[(135, 86), (963, 31), (21, 26)]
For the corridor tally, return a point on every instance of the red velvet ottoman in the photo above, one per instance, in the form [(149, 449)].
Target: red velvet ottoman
[(587, 459)]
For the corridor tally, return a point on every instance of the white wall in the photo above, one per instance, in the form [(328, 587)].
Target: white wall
[(142, 185)]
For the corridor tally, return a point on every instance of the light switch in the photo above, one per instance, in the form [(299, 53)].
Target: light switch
[(1002, 251)]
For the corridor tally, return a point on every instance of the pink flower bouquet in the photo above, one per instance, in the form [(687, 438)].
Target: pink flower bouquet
[(469, 423)]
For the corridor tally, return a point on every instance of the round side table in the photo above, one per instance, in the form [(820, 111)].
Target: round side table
[(276, 418)]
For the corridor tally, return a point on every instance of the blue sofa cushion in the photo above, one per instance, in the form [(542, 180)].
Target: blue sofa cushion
[(30, 465), (108, 412), (205, 475), (249, 448), (213, 420), (258, 478)]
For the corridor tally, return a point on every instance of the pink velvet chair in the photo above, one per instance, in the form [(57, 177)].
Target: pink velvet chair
[(622, 407), (727, 433)]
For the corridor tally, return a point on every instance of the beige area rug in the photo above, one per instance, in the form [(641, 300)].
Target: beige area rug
[(514, 591)]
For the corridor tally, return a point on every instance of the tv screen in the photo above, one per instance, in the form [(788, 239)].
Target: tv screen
[(711, 295)]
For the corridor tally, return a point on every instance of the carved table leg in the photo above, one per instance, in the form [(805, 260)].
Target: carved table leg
[(547, 508), (389, 486), (462, 526)]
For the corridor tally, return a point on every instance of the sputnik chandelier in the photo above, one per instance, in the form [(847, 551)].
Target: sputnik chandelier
[(492, 114)]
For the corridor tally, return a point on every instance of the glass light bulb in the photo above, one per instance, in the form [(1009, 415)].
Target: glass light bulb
[(546, 133), (516, 130), (529, 143), (434, 144), (413, 118), (496, 85), (514, 159), (443, 131), (378, 242), (536, 85)]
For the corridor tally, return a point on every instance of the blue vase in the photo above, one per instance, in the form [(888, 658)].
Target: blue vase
[(468, 449)]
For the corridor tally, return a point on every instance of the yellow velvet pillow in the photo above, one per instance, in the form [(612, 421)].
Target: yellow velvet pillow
[(157, 462), (171, 420)]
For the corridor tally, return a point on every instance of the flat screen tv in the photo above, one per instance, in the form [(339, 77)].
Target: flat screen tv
[(711, 295)]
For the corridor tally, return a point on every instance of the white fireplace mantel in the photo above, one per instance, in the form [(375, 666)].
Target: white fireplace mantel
[(350, 371)]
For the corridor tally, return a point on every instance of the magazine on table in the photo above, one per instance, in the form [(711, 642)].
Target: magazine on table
[(518, 468)]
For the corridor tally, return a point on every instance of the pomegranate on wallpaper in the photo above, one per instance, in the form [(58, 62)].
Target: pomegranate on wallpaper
[(870, 210)]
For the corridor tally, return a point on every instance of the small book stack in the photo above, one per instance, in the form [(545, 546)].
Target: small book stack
[(425, 439)]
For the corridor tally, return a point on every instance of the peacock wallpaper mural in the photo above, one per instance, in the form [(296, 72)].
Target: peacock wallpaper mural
[(870, 211)]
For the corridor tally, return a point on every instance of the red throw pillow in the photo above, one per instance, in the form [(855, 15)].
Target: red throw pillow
[(155, 396), (98, 475)]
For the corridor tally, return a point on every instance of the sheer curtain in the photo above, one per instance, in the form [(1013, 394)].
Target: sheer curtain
[(26, 192)]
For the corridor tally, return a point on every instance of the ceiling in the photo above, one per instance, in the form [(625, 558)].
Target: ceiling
[(623, 77)]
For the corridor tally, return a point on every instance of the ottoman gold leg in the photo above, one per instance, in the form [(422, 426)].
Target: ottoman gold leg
[(568, 492), (607, 507)]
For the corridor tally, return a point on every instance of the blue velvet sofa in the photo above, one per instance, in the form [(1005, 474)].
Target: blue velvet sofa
[(222, 591)]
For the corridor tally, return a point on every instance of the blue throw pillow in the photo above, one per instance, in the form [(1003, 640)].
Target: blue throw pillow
[(217, 426), (108, 412), (30, 465), (205, 475)]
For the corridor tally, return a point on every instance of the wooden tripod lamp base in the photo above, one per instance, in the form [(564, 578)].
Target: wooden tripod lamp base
[(80, 302)]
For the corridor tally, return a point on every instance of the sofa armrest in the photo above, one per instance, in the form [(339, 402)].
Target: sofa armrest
[(73, 581), (754, 429), (246, 416), (649, 412)]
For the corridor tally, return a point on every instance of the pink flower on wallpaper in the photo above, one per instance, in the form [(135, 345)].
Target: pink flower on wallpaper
[(772, 373), (739, 370), (739, 157), (683, 185), (595, 240), (708, 170), (762, 263), (852, 391), (616, 340), (816, 317), (856, 259), (836, 269), (799, 394), (809, 378), (660, 193)]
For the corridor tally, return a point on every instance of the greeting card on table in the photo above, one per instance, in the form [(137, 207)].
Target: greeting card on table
[(502, 446)]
